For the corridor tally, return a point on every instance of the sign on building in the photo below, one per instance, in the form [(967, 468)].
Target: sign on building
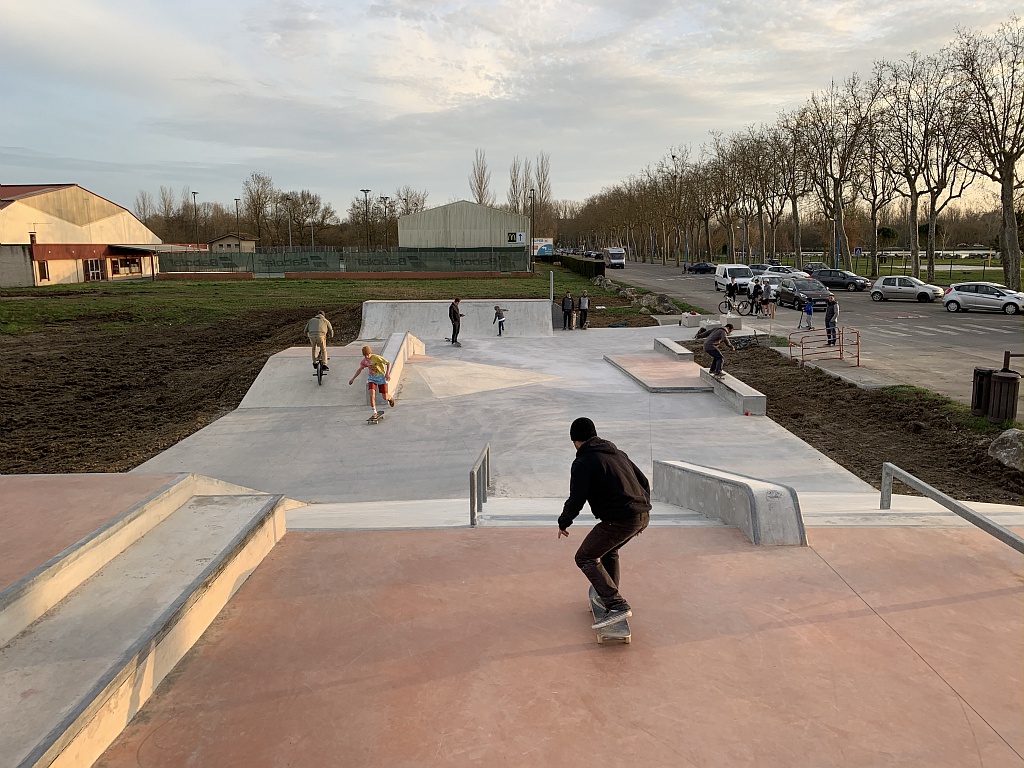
[(516, 238)]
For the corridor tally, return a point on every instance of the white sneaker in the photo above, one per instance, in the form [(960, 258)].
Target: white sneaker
[(612, 618)]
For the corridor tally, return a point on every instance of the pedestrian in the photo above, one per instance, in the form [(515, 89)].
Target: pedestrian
[(456, 317), (806, 313), (499, 318), (584, 309), (620, 498), (767, 300), (378, 374), (731, 290), (831, 319), (567, 308), (755, 297), (711, 343), (317, 331)]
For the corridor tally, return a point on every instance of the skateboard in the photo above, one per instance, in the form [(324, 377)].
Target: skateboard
[(457, 343), (617, 631), (376, 419)]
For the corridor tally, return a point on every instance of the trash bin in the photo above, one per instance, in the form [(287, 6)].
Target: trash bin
[(980, 394), (1002, 402)]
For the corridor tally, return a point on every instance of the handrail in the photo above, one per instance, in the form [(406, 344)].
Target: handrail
[(814, 344), (479, 481), (889, 471)]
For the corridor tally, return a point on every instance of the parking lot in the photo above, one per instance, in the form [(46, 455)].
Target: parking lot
[(910, 342)]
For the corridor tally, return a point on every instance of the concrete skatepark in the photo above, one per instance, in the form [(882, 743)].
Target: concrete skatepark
[(292, 586)]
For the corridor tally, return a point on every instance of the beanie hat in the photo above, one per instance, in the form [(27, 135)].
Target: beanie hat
[(582, 430)]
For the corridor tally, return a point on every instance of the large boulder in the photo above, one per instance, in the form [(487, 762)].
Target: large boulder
[(1008, 448)]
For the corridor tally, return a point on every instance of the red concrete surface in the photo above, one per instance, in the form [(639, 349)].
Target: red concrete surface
[(42, 515), (656, 370), (473, 648)]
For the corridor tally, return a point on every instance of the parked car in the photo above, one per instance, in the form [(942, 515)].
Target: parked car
[(774, 262), (813, 266), (840, 278), (701, 268), (785, 271), (797, 291), (993, 297), (757, 269), (725, 272), (899, 287)]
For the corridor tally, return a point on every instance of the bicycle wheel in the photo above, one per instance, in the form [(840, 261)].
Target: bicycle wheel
[(320, 374), (743, 308), (723, 308)]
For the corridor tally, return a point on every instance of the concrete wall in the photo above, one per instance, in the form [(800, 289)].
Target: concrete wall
[(16, 267), (525, 318), (768, 513), (460, 225)]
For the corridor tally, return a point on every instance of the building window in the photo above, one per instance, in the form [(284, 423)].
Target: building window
[(130, 266), (44, 270)]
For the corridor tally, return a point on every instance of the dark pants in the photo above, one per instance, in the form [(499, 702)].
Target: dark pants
[(830, 331), (717, 360), (598, 557), (583, 317), (566, 319), (455, 332)]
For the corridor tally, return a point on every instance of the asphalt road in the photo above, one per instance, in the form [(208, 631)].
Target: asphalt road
[(909, 342)]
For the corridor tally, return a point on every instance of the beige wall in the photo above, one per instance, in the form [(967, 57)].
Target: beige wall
[(71, 215), (231, 244), (62, 271), (460, 225)]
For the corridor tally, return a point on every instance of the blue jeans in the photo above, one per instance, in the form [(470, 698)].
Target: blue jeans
[(830, 331), (598, 557), (717, 360)]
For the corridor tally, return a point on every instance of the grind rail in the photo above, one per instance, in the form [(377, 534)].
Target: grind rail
[(890, 471), (479, 482)]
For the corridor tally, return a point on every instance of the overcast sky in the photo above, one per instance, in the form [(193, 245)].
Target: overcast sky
[(123, 95)]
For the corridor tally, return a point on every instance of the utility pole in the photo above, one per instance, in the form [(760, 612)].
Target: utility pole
[(385, 201), (195, 216), (366, 206), (288, 214), (533, 201)]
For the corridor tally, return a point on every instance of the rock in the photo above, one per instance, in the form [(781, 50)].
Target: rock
[(1008, 448), (648, 300), (644, 311)]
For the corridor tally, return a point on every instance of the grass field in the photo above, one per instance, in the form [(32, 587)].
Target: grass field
[(173, 302)]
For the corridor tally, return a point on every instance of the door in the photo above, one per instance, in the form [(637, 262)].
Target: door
[(906, 289), (990, 298), (94, 270)]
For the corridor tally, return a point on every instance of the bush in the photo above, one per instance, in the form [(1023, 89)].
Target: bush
[(588, 268)]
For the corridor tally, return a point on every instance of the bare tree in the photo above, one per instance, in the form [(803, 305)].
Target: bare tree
[(993, 67), (514, 196), (480, 180), (877, 184), (144, 207), (258, 195), (409, 200)]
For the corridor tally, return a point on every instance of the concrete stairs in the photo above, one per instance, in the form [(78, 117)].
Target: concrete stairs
[(91, 634), (861, 509)]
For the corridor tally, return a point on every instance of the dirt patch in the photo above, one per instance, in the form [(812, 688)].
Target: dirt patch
[(97, 400), (860, 429)]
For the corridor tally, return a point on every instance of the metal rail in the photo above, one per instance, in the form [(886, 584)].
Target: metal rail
[(813, 345), (479, 482), (890, 471)]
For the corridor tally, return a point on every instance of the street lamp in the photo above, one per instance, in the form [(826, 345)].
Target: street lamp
[(238, 231), (366, 206), (533, 201), (288, 214), (385, 201), (311, 243), (195, 216)]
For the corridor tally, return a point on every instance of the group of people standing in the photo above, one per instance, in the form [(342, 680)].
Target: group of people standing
[(569, 307)]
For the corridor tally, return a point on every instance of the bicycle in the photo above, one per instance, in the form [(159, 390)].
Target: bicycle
[(729, 306)]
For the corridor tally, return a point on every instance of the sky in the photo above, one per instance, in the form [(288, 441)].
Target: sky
[(127, 95)]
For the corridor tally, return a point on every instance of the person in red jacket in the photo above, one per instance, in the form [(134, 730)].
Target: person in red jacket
[(620, 497)]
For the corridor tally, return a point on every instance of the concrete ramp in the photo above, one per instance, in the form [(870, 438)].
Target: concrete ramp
[(524, 318), (288, 380)]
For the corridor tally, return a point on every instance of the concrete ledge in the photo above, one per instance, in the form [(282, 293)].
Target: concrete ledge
[(670, 348), (398, 348), (741, 397), (692, 321), (768, 513)]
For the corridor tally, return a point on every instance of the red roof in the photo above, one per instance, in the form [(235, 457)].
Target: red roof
[(14, 191)]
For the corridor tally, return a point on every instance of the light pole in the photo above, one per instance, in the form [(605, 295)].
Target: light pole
[(288, 214), (366, 206), (533, 201), (311, 243), (385, 201), (238, 231), (195, 216)]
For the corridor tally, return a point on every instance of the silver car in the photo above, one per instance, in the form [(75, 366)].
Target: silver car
[(785, 272), (993, 297), (900, 287)]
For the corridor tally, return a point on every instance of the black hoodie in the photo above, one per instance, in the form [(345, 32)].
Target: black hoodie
[(604, 477)]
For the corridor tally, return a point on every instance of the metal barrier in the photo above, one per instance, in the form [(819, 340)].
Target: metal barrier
[(813, 345), (479, 482), (890, 471)]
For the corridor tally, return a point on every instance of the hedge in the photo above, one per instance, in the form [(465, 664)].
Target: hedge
[(586, 267)]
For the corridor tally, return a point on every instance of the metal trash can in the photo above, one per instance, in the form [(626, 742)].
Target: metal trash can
[(1002, 403), (980, 393)]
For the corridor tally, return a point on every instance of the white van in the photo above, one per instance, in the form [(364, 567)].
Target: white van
[(614, 258), (725, 272)]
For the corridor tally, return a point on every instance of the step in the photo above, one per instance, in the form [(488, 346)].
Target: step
[(38, 591), (861, 509), (72, 681), (539, 512)]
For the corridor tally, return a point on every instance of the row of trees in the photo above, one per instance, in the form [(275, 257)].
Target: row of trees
[(528, 193), (905, 142)]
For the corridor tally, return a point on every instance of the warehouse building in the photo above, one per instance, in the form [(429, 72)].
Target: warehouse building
[(62, 233), (463, 225)]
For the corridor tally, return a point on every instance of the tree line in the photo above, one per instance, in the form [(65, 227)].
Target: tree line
[(899, 145)]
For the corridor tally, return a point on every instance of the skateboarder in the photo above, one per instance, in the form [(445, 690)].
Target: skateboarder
[(317, 331), (711, 343), (378, 375), (568, 305), (456, 317), (499, 318), (620, 498)]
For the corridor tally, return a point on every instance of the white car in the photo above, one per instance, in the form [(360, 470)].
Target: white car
[(991, 297), (785, 272)]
